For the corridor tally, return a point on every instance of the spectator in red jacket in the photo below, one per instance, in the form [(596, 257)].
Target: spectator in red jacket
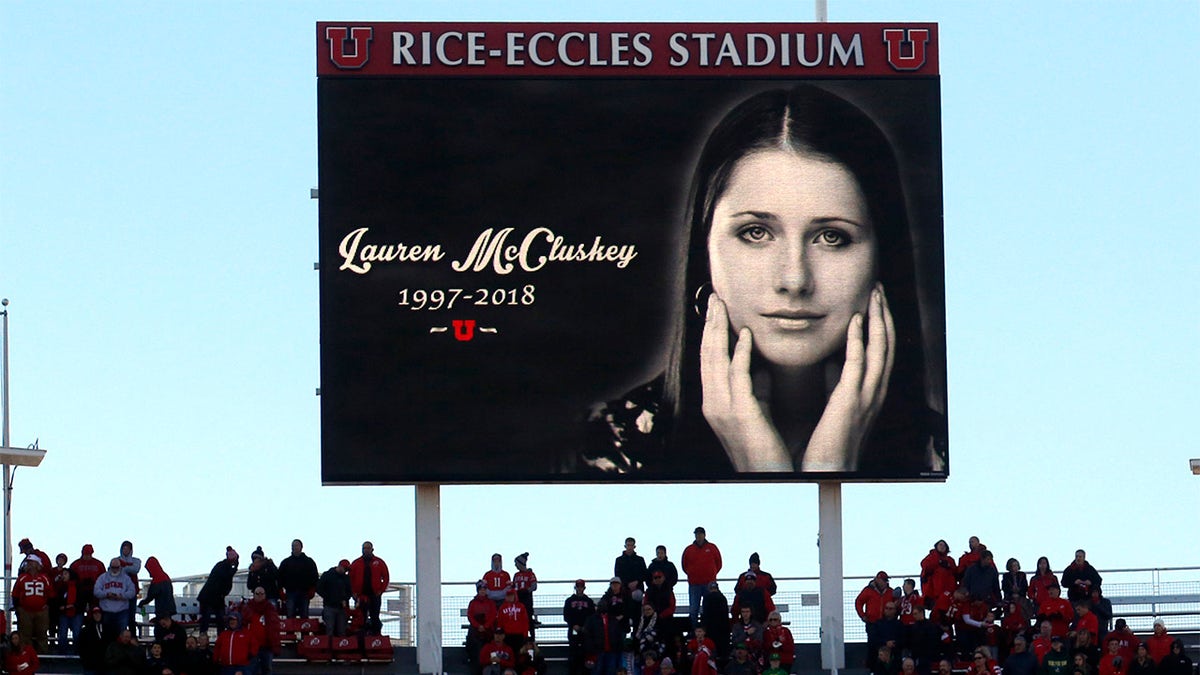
[(1043, 579), (481, 621), (261, 616), (869, 606), (938, 572), (369, 580), (20, 658), (1057, 611), (497, 579), (86, 569), (777, 639), (701, 562), (235, 647), (31, 595), (974, 550), (1159, 643)]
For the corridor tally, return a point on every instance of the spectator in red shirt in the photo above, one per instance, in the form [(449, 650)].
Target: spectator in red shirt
[(1112, 663), (910, 600), (497, 579), (1042, 643), (513, 619), (938, 572), (525, 581), (86, 569), (1043, 579), (27, 549), (701, 562), (1084, 620), (1127, 642), (496, 655), (31, 594)]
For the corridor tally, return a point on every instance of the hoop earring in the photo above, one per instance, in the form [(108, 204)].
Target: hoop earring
[(700, 299)]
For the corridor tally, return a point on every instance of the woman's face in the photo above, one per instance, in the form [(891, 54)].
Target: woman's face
[(792, 253)]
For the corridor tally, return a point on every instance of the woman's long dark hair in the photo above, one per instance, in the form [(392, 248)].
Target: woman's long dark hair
[(810, 121)]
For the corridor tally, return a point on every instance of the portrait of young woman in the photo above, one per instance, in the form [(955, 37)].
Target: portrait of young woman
[(797, 345)]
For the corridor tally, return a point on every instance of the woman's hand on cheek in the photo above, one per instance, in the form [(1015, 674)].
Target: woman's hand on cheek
[(738, 417), (837, 441)]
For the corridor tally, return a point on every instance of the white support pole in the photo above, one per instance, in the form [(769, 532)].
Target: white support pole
[(7, 487), (833, 636), (429, 579), (821, 10)]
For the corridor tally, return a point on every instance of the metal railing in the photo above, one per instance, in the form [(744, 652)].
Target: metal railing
[(1139, 595)]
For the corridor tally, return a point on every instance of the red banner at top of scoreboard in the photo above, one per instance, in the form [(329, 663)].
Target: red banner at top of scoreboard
[(398, 49)]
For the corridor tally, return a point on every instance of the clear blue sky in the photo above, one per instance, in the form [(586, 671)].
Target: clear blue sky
[(157, 241)]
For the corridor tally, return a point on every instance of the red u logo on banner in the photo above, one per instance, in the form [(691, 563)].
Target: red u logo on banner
[(340, 37), (899, 41), (464, 329)]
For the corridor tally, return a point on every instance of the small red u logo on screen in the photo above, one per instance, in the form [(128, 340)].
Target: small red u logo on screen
[(464, 329)]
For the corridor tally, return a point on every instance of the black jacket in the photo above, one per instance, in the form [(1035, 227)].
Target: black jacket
[(219, 583), (266, 576), (334, 588), (629, 568), (298, 574), (91, 646)]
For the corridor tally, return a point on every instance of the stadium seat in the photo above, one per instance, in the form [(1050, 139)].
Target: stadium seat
[(346, 648), (378, 648), (315, 648)]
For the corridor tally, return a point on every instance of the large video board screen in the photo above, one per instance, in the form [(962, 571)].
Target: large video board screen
[(630, 252)]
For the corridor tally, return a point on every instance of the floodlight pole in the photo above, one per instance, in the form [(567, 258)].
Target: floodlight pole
[(429, 578), (7, 487)]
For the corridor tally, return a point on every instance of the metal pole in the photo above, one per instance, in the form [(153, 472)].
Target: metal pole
[(429, 578), (833, 636), (7, 487), (822, 11)]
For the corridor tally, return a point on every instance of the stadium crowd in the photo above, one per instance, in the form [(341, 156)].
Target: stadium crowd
[(92, 608), (963, 616)]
